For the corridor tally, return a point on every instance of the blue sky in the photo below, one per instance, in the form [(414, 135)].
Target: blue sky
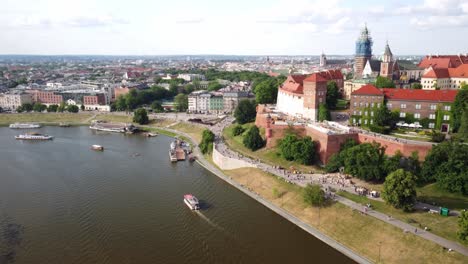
[(250, 27)]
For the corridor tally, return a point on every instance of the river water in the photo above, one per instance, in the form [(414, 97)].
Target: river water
[(61, 202)]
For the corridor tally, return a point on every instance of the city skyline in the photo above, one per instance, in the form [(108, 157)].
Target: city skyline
[(303, 27)]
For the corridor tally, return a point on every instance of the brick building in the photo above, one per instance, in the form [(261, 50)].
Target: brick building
[(429, 108), (13, 101), (98, 99), (47, 98)]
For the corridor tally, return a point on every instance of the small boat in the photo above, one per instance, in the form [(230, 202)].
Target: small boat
[(64, 125), (149, 134), (24, 125), (97, 147), (34, 136), (192, 158), (192, 202), (173, 155)]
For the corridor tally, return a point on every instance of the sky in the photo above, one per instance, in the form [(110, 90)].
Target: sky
[(235, 27)]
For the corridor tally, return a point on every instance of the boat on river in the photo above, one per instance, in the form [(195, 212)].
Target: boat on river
[(192, 202), (97, 147), (34, 136), (24, 125)]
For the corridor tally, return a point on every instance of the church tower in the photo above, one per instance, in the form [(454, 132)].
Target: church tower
[(363, 52), (323, 60), (386, 66)]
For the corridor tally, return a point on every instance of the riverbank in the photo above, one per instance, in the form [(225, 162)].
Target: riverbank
[(46, 118), (338, 223)]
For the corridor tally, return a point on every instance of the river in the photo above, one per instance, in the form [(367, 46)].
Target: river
[(61, 202)]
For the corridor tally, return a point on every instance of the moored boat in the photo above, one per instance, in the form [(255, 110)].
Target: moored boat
[(97, 147), (173, 155), (192, 202), (34, 136), (24, 125)]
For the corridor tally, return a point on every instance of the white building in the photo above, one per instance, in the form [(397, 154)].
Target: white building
[(100, 108), (451, 78), (189, 77), (13, 101)]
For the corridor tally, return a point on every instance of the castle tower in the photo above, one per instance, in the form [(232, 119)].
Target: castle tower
[(386, 66), (363, 52), (315, 93), (323, 60)]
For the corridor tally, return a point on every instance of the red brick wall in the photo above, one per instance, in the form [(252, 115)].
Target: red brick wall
[(392, 146)]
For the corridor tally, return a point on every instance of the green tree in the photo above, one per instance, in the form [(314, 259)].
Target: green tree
[(399, 190), (333, 94), (140, 116), (181, 102), (463, 225), (323, 113), (416, 86), (214, 86), (237, 130), (52, 108), (313, 195), (384, 82), (206, 144), (252, 139), (82, 107), (157, 107), (365, 161), (266, 91), (305, 151), (459, 106), (173, 88), (121, 103), (286, 146), (38, 107), (245, 112), (73, 109), (382, 116), (27, 107), (62, 107), (463, 130)]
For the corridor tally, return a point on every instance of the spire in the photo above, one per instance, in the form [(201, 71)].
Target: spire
[(387, 56)]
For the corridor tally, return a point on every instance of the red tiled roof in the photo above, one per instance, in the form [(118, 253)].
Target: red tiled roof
[(445, 61), (315, 77), (331, 75), (437, 73), (420, 95), (294, 83), (368, 89), (459, 72)]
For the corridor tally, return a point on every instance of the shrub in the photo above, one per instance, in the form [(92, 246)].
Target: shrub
[(314, 195), (238, 130), (437, 136)]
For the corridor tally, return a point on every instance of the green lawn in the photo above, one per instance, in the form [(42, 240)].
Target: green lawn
[(45, 118), (432, 194), (270, 156), (446, 227)]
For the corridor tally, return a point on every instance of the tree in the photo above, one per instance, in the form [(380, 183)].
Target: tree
[(52, 108), (333, 94), (73, 109), (305, 151), (463, 130), (266, 91), (61, 107), (157, 107), (120, 103), (286, 146), (399, 190), (463, 225), (237, 130), (323, 113), (173, 88), (365, 161), (181, 102), (140, 116), (382, 116), (446, 164), (214, 86), (245, 112), (82, 107), (252, 139), (459, 106), (27, 107), (1, 109), (206, 144), (313, 195), (384, 82), (416, 86), (38, 107)]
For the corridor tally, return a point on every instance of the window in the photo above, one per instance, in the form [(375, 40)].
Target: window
[(417, 115), (433, 107), (354, 113), (389, 105), (367, 104), (360, 104), (372, 104), (365, 113), (378, 105), (355, 104), (354, 120), (446, 117), (447, 108), (418, 106), (431, 125), (403, 106), (432, 116), (372, 122), (402, 114), (365, 121), (372, 113)]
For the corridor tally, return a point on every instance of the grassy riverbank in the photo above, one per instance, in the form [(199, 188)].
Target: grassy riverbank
[(45, 118), (270, 156), (358, 232)]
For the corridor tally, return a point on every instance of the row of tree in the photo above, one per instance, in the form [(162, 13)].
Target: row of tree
[(38, 107), (302, 150)]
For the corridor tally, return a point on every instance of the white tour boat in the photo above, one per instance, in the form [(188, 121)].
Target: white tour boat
[(24, 125), (192, 202), (34, 136)]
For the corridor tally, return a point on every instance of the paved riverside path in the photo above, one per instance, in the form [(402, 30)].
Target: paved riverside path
[(224, 149)]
